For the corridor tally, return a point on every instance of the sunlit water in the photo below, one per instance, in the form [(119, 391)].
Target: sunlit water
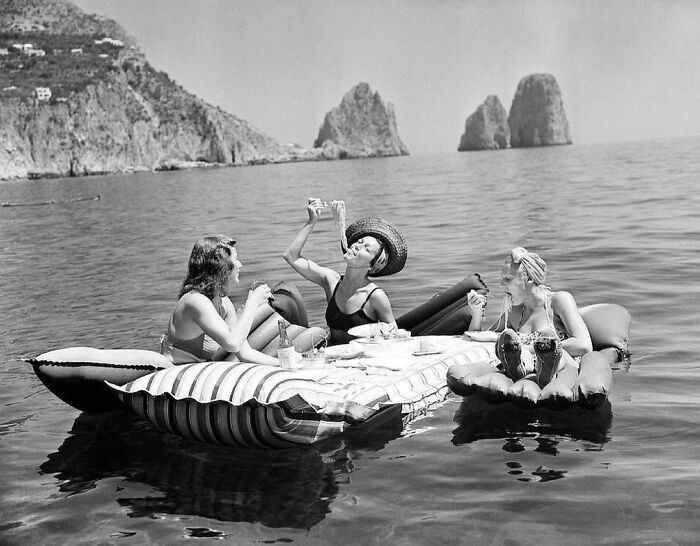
[(617, 223)]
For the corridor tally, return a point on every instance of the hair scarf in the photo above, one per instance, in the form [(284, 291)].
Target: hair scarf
[(534, 267)]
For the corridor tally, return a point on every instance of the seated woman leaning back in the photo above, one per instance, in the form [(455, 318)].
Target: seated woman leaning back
[(541, 331), (374, 248), (204, 325)]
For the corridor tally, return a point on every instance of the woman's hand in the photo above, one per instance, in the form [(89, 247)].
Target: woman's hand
[(315, 208), (388, 330), (259, 296), (337, 207), (476, 302)]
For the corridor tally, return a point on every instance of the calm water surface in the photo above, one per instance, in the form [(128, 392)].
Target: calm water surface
[(617, 223)]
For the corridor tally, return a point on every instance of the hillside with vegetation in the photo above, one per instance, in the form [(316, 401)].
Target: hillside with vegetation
[(78, 97)]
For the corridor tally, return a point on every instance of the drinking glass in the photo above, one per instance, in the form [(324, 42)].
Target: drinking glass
[(257, 283)]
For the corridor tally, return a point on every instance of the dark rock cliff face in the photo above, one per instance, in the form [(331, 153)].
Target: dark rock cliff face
[(112, 112), (537, 116), (361, 126), (487, 128)]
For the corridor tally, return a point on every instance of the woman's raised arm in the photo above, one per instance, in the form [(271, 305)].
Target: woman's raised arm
[(309, 269)]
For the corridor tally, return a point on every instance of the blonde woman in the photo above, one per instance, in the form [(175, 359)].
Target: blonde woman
[(541, 330)]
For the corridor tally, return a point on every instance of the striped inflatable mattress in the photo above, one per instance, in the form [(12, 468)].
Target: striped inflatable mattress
[(256, 406)]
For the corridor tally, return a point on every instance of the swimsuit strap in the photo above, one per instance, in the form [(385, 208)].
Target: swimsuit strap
[(369, 296), (336, 288), (362, 306)]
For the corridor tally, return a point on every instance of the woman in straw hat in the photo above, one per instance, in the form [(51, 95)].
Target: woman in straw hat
[(375, 248), (540, 330)]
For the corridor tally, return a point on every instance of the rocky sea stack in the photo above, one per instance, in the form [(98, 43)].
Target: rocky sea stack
[(78, 97), (537, 116), (361, 126), (487, 128)]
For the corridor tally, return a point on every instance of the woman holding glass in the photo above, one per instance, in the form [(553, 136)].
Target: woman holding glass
[(204, 325)]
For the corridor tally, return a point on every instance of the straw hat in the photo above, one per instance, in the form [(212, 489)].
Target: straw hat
[(393, 241)]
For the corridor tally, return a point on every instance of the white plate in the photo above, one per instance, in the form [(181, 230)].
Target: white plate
[(343, 352), (368, 330), (386, 347), (486, 335)]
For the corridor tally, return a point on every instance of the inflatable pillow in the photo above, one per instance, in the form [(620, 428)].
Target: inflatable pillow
[(609, 326), (445, 313), (77, 374), (288, 302)]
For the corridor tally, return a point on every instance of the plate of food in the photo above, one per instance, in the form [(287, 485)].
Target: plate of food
[(369, 330), (485, 335), (378, 329), (343, 352)]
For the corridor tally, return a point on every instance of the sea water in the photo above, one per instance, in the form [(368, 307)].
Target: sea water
[(616, 223)]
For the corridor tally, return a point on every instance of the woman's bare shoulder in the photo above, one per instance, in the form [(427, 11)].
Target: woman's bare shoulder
[(562, 299), (194, 300)]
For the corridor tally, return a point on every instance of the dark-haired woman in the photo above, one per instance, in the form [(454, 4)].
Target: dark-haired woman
[(204, 325), (374, 248)]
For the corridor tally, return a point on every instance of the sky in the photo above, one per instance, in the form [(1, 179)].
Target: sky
[(628, 69)]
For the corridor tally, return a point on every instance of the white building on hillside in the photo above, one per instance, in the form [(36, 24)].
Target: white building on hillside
[(23, 47), (43, 93), (112, 41)]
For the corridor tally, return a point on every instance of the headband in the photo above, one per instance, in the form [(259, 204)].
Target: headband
[(534, 267), (380, 261)]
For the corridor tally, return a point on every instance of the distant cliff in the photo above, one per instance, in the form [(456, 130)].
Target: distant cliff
[(487, 128), (361, 126), (78, 97), (537, 116)]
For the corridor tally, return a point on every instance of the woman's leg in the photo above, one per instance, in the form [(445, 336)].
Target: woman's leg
[(508, 351), (548, 353)]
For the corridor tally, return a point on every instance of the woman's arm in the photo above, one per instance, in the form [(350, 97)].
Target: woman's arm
[(579, 342), (477, 304), (248, 354), (308, 269), (229, 335)]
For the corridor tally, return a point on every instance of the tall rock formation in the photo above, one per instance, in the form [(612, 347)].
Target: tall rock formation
[(108, 109), (486, 128), (537, 116), (361, 126)]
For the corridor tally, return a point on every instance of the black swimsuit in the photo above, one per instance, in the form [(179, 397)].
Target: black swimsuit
[(340, 322)]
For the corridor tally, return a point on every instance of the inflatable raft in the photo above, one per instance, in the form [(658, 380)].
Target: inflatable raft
[(608, 325), (256, 406)]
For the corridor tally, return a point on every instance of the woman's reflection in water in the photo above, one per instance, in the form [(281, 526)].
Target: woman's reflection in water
[(478, 419), (282, 488)]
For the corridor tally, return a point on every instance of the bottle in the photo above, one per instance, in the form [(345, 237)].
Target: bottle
[(286, 353)]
